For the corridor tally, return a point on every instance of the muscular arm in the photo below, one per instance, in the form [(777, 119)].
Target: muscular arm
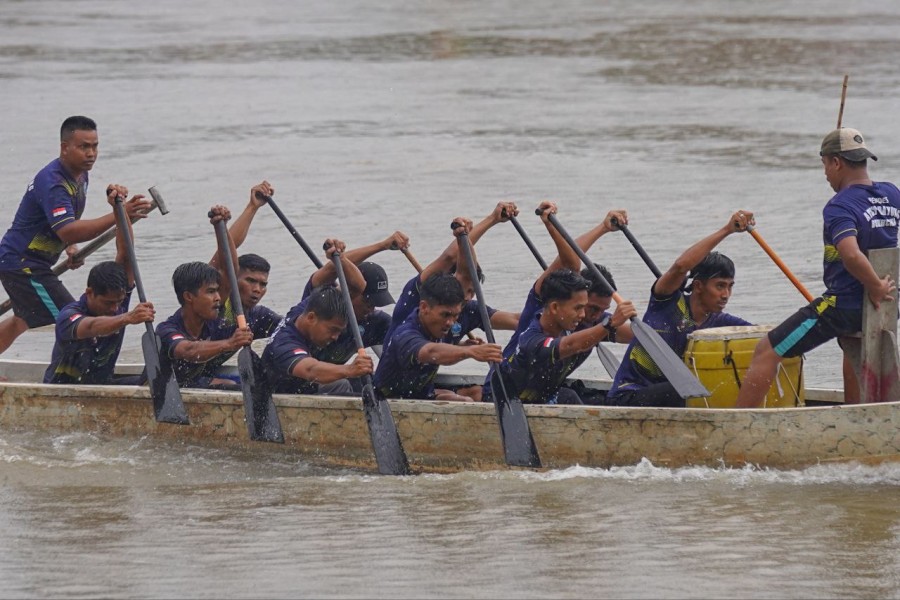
[(582, 341), (83, 230), (318, 371), (200, 351), (505, 320), (436, 353), (858, 265), (89, 327)]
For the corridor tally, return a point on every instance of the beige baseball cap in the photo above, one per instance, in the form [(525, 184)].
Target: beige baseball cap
[(847, 143)]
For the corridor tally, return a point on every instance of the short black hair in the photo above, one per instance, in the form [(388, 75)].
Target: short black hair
[(598, 287), (107, 276), (190, 277), (327, 303), (562, 284), (73, 124), (442, 289), (715, 264), (253, 262)]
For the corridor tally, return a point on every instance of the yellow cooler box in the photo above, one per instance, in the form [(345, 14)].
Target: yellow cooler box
[(719, 357)]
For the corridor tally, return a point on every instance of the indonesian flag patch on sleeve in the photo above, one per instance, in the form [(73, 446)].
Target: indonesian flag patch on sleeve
[(75, 317), (299, 351), (176, 336), (60, 211), (547, 342)]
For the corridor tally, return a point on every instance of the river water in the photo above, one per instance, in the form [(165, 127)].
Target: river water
[(373, 116)]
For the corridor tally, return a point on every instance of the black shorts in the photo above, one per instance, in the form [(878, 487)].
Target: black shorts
[(36, 295), (812, 326)]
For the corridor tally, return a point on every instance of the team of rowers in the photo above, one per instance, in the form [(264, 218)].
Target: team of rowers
[(310, 350)]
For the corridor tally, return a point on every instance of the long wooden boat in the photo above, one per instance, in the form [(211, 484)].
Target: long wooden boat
[(451, 436)]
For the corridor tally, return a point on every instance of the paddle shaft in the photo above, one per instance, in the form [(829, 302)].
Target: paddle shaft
[(843, 98), (412, 259), (527, 240), (94, 245), (640, 250), (780, 263), (132, 257), (225, 256), (312, 256)]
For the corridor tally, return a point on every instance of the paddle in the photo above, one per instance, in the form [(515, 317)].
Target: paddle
[(312, 256), (259, 409), (607, 358), (412, 259), (389, 454), (97, 243), (518, 444), (779, 263), (640, 250), (674, 369), (167, 404)]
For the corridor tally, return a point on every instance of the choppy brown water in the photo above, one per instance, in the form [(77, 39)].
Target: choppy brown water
[(369, 117)]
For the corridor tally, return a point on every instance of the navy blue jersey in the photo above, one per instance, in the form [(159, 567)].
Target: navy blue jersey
[(53, 200), (287, 347), (172, 332), (407, 302), (87, 360), (535, 370), (671, 318), (399, 373), (871, 214)]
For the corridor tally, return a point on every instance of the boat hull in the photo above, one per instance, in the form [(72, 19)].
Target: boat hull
[(451, 436)]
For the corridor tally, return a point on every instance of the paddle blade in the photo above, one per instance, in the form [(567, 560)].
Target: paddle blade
[(676, 372), (389, 452), (263, 424), (167, 403), (608, 359), (518, 444)]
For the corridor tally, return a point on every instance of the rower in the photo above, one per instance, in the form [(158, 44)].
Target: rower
[(196, 338), (674, 314), (599, 297), (427, 339), (90, 330), (296, 359), (252, 272)]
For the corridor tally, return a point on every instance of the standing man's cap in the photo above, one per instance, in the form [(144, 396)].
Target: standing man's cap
[(376, 292), (846, 143)]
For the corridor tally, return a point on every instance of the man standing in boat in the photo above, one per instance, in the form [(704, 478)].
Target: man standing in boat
[(49, 221), (426, 339), (861, 216), (196, 338), (90, 330), (295, 359), (599, 299), (674, 314)]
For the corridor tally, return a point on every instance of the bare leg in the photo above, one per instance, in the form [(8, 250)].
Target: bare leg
[(10, 329), (759, 376), (472, 391), (448, 396), (851, 383)]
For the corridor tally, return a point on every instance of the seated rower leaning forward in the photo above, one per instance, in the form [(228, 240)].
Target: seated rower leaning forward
[(292, 358), (424, 341), (599, 297), (861, 216), (674, 314), (556, 342), (196, 338)]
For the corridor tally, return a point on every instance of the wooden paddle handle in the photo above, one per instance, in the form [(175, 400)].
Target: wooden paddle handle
[(412, 259), (843, 97), (784, 269)]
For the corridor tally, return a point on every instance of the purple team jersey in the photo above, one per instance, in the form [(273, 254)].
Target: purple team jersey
[(53, 200)]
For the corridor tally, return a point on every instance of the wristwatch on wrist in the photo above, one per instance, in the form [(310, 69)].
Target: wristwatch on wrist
[(610, 330)]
